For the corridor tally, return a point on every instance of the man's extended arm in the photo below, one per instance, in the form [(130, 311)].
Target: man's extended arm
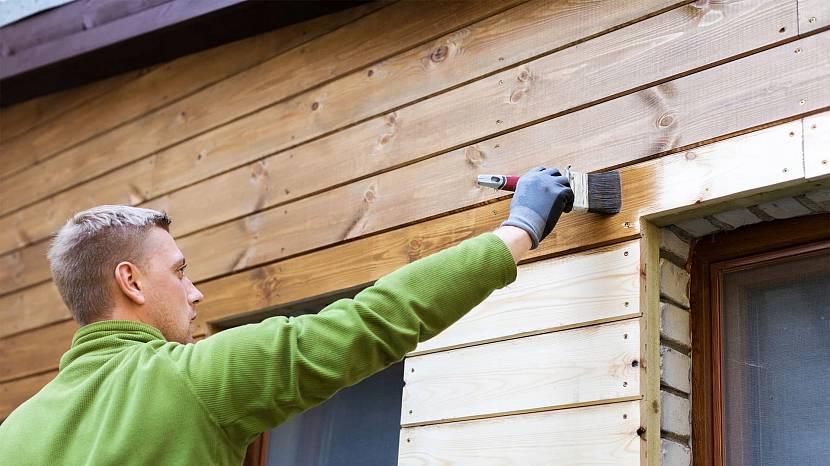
[(251, 378)]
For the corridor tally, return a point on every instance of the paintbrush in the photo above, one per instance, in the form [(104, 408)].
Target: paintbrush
[(593, 192)]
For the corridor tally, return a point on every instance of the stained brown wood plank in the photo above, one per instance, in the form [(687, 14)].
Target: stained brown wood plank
[(13, 394), (36, 351), (163, 85), (717, 175), (369, 39), (685, 111), (698, 178), (605, 434), (555, 294), (483, 47), (25, 116), (34, 307), (583, 365)]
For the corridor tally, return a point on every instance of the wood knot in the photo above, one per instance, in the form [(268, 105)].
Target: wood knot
[(641, 431), (202, 154), (474, 156), (370, 72), (517, 95), (392, 119), (524, 76), (666, 120), (440, 54), (690, 155), (369, 196), (258, 170), (315, 106)]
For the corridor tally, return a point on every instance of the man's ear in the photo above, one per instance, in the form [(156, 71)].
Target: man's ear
[(127, 278)]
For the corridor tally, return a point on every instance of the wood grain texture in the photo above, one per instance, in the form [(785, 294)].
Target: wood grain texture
[(26, 116), (13, 394), (391, 199), (696, 179), (35, 352), (581, 365), (161, 86), (369, 39), (31, 308), (650, 454), (813, 15), (603, 434), (817, 146), (481, 48), (574, 290)]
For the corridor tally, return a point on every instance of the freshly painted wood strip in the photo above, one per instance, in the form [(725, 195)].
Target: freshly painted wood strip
[(14, 393), (592, 286), (369, 39), (605, 434), (159, 87), (699, 178), (812, 15), (31, 308), (582, 365), (817, 146), (483, 47)]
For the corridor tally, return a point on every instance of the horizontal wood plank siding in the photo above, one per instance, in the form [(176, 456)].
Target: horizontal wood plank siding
[(489, 45), (540, 372), (597, 285), (604, 434)]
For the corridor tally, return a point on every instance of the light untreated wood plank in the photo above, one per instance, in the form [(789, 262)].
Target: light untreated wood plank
[(161, 86), (369, 39), (605, 434), (582, 365), (592, 286), (812, 15), (483, 47), (13, 394), (650, 344), (697, 179), (817, 146)]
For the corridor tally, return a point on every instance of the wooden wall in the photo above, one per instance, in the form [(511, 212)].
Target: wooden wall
[(320, 157)]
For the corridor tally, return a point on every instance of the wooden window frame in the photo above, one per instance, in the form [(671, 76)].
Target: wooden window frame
[(710, 256)]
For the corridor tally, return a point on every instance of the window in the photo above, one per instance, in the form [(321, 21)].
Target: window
[(360, 425), (761, 345)]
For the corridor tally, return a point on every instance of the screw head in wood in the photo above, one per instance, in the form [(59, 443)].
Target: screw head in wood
[(798, 50), (802, 101), (812, 20)]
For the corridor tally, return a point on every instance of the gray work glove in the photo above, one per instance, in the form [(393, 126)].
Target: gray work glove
[(541, 197)]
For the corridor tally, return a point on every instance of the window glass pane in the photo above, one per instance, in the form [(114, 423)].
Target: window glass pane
[(358, 426), (776, 363)]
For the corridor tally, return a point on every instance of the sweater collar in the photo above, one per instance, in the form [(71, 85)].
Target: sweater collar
[(109, 335)]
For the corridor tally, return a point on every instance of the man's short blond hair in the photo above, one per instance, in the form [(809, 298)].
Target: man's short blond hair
[(86, 250)]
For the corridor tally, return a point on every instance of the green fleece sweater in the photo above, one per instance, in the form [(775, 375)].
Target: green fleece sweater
[(126, 396)]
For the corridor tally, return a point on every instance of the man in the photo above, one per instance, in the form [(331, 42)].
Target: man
[(135, 389)]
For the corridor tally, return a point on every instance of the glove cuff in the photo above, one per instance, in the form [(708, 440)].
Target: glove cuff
[(529, 221)]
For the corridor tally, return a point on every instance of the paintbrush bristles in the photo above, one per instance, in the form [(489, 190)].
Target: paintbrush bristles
[(604, 192)]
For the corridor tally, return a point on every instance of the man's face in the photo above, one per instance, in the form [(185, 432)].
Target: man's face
[(170, 296)]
